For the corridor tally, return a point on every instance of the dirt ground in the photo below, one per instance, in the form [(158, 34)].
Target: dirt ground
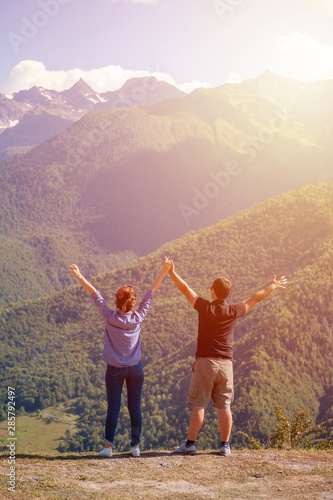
[(165, 475)]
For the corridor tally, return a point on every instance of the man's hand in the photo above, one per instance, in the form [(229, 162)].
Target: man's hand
[(75, 271), (190, 294), (279, 283), (259, 296)]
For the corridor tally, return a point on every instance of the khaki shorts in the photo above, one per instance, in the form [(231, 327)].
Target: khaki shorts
[(211, 378)]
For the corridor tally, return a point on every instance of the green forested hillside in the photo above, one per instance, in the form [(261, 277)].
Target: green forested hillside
[(124, 181), (52, 347), (35, 266)]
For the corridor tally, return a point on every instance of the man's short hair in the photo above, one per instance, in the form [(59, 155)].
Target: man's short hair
[(222, 287)]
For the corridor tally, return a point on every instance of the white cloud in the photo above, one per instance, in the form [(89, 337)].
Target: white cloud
[(28, 73), (234, 77), (188, 87), (302, 58)]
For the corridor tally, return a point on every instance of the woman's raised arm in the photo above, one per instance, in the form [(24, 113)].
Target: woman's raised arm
[(76, 273), (165, 269)]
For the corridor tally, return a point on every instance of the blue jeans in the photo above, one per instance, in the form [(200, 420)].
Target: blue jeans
[(114, 380)]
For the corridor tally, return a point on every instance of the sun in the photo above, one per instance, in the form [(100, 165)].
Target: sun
[(302, 58)]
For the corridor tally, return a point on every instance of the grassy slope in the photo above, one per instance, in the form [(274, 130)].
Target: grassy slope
[(42, 433)]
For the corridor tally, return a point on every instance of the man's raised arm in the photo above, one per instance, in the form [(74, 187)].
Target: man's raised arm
[(190, 294), (259, 296)]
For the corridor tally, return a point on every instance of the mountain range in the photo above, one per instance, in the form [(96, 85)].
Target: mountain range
[(52, 346), (30, 117), (120, 182)]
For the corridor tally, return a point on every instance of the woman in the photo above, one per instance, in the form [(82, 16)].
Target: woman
[(122, 354)]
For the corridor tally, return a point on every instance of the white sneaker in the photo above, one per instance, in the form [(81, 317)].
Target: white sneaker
[(225, 450), (188, 449), (106, 452), (135, 451)]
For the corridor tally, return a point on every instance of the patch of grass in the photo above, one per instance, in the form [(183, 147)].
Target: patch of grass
[(41, 432)]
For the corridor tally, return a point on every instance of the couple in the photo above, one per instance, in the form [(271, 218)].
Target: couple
[(212, 375)]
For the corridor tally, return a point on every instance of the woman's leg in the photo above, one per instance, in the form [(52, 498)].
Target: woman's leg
[(134, 381), (114, 380)]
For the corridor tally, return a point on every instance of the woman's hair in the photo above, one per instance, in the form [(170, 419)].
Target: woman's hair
[(125, 298)]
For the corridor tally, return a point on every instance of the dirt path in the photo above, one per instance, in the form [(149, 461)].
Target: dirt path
[(59, 418), (164, 475)]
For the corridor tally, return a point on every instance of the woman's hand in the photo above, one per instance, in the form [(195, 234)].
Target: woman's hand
[(166, 265), (165, 269), (75, 271)]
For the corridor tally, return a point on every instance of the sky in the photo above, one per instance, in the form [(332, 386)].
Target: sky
[(189, 43)]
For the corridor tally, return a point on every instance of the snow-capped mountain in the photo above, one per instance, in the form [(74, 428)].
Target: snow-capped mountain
[(29, 117)]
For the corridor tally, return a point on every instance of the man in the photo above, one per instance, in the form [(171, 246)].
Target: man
[(212, 370)]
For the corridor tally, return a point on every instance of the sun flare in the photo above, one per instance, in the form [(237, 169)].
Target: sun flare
[(302, 58)]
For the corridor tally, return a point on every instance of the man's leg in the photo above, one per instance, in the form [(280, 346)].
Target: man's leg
[(223, 395), (225, 423), (196, 422), (198, 396)]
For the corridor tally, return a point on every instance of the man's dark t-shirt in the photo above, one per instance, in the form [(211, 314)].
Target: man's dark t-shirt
[(217, 321)]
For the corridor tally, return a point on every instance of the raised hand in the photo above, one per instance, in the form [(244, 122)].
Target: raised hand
[(165, 269), (166, 265), (280, 283), (75, 271)]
